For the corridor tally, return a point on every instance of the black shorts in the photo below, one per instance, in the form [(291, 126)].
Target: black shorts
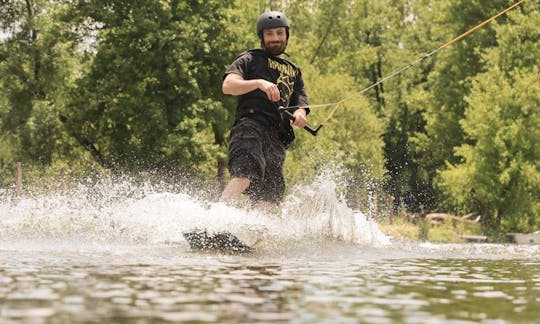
[(256, 152)]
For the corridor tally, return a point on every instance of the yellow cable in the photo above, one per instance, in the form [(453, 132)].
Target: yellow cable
[(331, 114)]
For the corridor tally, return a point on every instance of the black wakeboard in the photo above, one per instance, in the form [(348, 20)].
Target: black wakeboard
[(201, 240)]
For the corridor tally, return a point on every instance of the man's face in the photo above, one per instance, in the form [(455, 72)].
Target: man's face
[(275, 40)]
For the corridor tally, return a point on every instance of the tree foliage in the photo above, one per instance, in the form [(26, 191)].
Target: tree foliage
[(498, 175), (37, 64), (151, 95)]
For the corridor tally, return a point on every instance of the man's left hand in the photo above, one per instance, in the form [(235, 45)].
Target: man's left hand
[(300, 119)]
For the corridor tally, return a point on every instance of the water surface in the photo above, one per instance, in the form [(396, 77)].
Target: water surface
[(120, 258)]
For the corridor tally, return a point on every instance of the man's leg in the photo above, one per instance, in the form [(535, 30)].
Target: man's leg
[(234, 189)]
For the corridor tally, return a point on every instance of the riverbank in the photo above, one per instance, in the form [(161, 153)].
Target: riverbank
[(411, 229), (415, 229)]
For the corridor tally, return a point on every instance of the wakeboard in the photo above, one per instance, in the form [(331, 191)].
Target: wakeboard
[(202, 240)]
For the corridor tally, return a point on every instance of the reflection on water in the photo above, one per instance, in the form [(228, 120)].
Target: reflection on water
[(306, 284), (117, 255)]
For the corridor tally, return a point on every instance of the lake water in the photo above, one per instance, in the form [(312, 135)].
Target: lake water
[(118, 256)]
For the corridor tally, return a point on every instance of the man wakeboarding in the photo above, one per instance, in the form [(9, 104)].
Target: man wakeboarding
[(266, 85)]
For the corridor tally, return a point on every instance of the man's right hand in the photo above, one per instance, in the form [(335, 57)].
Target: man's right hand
[(271, 90)]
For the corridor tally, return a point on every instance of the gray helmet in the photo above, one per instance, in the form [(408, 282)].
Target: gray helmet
[(272, 19)]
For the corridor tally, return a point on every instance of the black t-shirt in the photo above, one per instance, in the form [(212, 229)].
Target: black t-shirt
[(258, 64)]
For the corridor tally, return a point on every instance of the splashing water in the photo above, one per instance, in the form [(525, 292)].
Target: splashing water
[(320, 213), (126, 213)]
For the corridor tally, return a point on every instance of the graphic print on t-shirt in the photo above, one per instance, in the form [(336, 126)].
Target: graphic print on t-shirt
[(285, 79)]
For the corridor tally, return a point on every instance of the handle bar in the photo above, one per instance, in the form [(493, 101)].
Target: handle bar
[(309, 129)]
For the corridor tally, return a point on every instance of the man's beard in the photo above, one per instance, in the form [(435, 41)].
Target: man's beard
[(275, 48)]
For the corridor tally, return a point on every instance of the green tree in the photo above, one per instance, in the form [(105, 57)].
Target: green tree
[(367, 41), (498, 175), (441, 97), (151, 97), (407, 40), (36, 62)]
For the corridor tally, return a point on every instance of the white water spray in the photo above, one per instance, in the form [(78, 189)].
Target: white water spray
[(318, 212), (127, 213)]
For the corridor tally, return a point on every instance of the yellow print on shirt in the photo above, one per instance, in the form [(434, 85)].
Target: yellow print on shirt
[(285, 81), (283, 69)]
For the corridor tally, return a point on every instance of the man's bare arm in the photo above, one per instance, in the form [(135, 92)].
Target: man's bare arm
[(234, 84)]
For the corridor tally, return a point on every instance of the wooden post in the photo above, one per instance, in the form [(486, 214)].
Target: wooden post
[(18, 184)]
